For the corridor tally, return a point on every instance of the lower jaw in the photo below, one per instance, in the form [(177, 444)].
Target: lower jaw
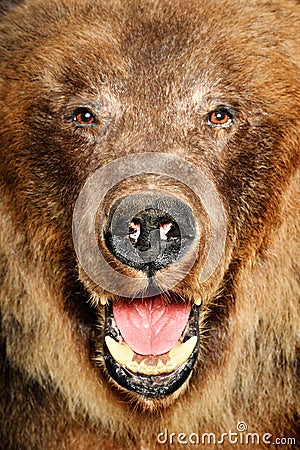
[(152, 386)]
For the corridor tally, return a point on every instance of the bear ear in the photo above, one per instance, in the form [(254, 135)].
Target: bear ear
[(7, 5)]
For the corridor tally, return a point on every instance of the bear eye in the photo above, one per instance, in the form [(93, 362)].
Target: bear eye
[(84, 117), (220, 117)]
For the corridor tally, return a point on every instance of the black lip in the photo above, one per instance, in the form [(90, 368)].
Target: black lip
[(151, 386)]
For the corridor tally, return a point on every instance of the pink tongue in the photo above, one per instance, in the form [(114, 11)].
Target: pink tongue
[(151, 326)]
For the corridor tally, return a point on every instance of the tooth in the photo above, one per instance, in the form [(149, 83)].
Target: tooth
[(161, 367), (144, 369), (132, 365), (198, 301), (103, 301), (181, 352), (122, 353), (171, 365)]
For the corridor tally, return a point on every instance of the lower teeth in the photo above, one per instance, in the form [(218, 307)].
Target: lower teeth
[(166, 363)]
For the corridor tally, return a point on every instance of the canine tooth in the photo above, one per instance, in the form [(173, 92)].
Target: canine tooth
[(181, 352), (122, 353), (103, 301), (198, 301)]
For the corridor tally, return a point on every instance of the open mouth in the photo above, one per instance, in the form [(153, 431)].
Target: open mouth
[(151, 344)]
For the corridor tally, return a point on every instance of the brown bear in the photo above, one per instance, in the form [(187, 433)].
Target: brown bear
[(149, 270)]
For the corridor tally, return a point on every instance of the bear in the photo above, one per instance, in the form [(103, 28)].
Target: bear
[(149, 270)]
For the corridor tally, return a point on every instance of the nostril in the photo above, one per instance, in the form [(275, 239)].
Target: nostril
[(150, 232), (134, 231), (164, 230)]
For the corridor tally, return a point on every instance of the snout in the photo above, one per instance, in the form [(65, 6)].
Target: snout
[(142, 250), (149, 231)]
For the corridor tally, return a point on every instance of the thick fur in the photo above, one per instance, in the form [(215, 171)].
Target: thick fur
[(153, 70)]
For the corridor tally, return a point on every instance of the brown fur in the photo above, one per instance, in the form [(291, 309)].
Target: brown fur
[(154, 69)]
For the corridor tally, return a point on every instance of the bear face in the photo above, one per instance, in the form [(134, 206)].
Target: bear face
[(150, 158)]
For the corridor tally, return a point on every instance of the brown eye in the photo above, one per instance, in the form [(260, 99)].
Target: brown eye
[(220, 117), (84, 117)]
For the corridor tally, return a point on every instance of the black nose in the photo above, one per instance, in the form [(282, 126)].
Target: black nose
[(149, 232)]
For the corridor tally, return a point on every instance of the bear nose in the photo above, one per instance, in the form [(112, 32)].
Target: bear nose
[(149, 232)]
